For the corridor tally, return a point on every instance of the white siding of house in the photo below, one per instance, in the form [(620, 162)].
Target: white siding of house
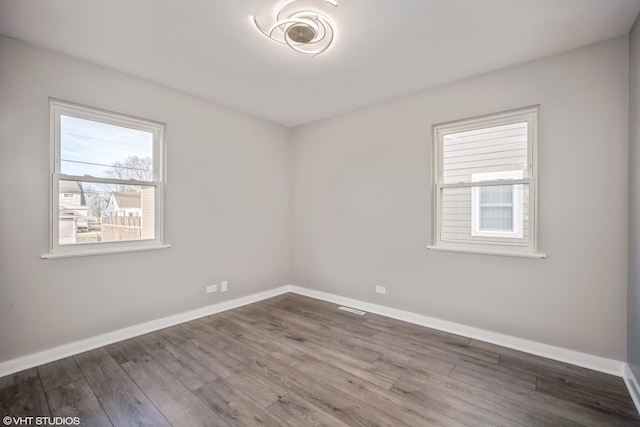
[(148, 213), (502, 148), (70, 209), (67, 230), (112, 207), (71, 204)]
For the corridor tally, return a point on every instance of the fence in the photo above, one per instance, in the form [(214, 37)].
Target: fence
[(118, 228)]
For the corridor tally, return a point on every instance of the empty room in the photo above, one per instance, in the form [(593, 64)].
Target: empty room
[(320, 212)]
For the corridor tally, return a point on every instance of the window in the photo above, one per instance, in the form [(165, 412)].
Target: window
[(485, 184), (104, 163)]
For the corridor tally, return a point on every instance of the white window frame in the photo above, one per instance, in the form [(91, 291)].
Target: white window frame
[(528, 115), (58, 108), (515, 205)]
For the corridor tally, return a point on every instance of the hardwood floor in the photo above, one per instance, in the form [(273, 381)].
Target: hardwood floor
[(297, 361)]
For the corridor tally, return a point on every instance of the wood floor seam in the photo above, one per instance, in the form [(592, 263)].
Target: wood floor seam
[(100, 403)]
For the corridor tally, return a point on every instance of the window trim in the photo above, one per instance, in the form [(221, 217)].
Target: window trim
[(527, 114), (58, 108)]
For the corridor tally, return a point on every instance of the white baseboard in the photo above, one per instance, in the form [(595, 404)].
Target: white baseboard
[(632, 385), (585, 360), (66, 350), (596, 363)]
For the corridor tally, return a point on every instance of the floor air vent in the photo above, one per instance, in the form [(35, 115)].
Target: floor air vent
[(352, 310)]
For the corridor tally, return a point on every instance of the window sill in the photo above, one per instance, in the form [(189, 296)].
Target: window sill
[(483, 251), (101, 251)]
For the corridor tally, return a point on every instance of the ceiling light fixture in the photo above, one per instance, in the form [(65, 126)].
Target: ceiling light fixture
[(305, 31)]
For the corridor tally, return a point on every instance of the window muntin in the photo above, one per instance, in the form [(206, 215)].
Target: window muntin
[(96, 155), (484, 183)]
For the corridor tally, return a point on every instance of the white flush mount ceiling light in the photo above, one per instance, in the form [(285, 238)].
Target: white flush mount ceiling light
[(303, 29)]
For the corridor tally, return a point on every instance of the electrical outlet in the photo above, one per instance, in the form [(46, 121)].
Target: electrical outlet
[(381, 289), (223, 286), (212, 288)]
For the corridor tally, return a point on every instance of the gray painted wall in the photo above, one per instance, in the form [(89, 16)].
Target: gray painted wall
[(228, 174), (361, 205), (350, 197), (633, 297)]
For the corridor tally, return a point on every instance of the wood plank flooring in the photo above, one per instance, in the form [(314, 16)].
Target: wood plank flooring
[(296, 361)]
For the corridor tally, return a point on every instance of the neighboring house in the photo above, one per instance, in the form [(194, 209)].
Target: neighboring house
[(496, 214), (129, 216), (72, 200), (73, 210), (122, 203)]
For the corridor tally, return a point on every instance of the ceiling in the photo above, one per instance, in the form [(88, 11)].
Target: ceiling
[(383, 48)]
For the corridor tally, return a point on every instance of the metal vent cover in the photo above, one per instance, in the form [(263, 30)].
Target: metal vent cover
[(352, 310)]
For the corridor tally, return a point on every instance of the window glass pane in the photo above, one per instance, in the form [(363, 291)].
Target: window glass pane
[(479, 151), (105, 212), (457, 218), (500, 219), (501, 194), (89, 148)]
